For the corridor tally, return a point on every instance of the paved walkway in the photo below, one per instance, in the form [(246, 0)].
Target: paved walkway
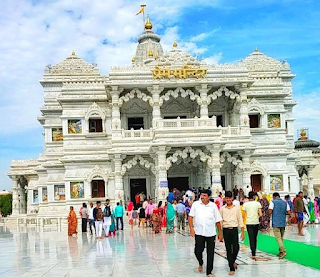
[(48, 252)]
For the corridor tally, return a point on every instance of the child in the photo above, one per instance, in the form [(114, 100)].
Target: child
[(142, 217), (135, 216)]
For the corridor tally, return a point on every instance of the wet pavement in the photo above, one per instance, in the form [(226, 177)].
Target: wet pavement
[(138, 252)]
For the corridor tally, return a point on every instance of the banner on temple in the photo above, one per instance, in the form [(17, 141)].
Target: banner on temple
[(179, 73)]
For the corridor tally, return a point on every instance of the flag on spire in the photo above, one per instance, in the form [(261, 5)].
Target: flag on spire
[(141, 10)]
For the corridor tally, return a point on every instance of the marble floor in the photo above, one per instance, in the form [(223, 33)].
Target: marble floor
[(139, 252)]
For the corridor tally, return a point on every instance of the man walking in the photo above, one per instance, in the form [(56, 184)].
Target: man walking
[(231, 220), (205, 216), (181, 214), (279, 208), (108, 211), (98, 219), (253, 211), (299, 209), (91, 219), (118, 213)]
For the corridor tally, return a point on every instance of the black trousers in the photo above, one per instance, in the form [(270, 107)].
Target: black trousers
[(253, 234), (198, 250), (231, 241), (121, 220), (84, 225)]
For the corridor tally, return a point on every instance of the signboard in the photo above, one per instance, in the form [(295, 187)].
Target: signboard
[(179, 73), (163, 184)]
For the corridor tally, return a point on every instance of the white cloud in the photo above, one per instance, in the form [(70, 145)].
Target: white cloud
[(214, 59), (307, 113)]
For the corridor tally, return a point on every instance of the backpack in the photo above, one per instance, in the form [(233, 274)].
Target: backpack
[(107, 211), (99, 214)]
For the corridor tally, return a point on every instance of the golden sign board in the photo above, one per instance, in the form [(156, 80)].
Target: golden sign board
[(179, 73)]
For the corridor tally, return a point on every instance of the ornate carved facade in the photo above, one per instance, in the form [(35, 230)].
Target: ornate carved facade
[(111, 136)]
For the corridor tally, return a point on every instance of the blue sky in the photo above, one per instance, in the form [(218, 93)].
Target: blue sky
[(36, 33)]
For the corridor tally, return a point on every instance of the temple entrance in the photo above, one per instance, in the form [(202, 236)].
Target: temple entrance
[(137, 186), (180, 183), (256, 182)]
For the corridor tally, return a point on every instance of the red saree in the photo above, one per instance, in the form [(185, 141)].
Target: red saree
[(72, 223), (156, 220)]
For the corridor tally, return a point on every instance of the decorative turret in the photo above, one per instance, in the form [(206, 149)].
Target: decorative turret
[(303, 143), (149, 44)]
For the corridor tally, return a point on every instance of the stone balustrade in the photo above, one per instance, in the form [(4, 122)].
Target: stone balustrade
[(186, 123), (137, 133), (232, 131)]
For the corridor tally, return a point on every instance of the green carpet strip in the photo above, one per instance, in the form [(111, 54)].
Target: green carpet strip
[(301, 253)]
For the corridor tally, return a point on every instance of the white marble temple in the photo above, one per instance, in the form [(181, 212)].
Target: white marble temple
[(50, 252)]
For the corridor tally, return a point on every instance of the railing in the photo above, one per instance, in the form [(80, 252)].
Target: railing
[(137, 133), (230, 130), (186, 123)]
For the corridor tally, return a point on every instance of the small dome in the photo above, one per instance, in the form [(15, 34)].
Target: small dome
[(178, 58), (303, 143), (71, 66), (260, 62)]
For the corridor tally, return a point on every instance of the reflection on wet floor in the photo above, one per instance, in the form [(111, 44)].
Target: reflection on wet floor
[(49, 252)]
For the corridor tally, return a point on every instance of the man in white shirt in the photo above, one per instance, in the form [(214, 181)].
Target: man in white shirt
[(206, 217), (253, 211), (91, 219)]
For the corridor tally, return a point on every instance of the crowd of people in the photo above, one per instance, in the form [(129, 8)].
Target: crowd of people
[(195, 208)]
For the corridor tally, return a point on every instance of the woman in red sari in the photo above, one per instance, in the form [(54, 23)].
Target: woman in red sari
[(164, 216), (156, 218), (72, 222)]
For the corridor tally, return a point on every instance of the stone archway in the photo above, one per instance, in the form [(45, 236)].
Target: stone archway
[(187, 152), (134, 161)]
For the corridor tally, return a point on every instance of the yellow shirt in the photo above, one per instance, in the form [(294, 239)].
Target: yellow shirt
[(231, 217)]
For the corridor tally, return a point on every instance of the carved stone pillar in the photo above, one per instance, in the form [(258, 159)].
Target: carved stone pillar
[(155, 91), (15, 196), (215, 166), (310, 183), (162, 190), (203, 103), (116, 119), (118, 179), (246, 175), (244, 118)]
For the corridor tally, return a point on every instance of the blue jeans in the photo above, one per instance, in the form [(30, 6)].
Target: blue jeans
[(121, 220), (91, 225)]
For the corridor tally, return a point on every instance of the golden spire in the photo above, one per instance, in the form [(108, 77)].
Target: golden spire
[(133, 59), (303, 132), (175, 44), (73, 53), (148, 25), (150, 54), (156, 56), (256, 50)]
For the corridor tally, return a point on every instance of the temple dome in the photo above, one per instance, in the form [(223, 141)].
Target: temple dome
[(259, 62), (73, 65), (148, 42)]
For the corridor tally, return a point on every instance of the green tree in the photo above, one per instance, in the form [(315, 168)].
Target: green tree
[(6, 204)]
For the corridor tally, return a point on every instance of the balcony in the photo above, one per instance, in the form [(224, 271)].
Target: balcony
[(179, 131), (137, 134), (186, 123)]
